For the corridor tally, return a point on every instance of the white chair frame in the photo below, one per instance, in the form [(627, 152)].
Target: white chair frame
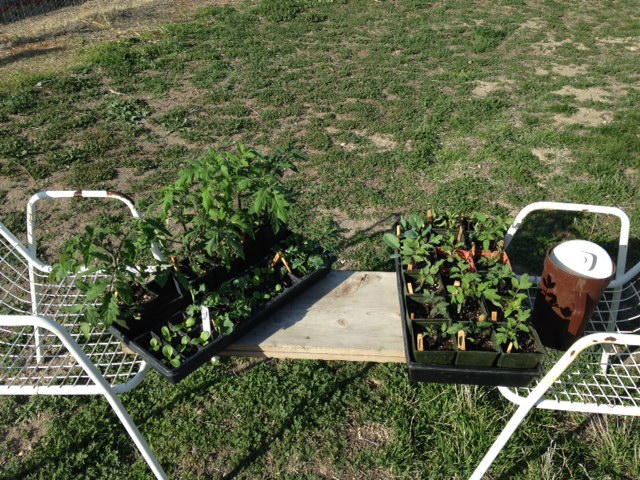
[(42, 350), (600, 373)]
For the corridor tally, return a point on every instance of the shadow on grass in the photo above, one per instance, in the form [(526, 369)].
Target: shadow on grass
[(28, 54), (536, 451), (300, 411)]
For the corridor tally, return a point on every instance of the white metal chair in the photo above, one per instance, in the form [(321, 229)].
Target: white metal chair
[(600, 373), (42, 350)]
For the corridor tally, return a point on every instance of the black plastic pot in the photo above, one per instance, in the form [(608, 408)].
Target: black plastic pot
[(478, 358), (522, 360), (415, 304), (429, 356), (411, 276)]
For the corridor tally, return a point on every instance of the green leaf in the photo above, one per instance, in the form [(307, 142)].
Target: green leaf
[(96, 290), (85, 328), (125, 293), (260, 200), (391, 240), (111, 312)]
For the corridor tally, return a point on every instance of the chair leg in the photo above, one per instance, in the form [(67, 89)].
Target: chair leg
[(136, 436), (103, 387)]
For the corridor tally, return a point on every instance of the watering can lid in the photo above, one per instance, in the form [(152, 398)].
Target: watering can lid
[(583, 258)]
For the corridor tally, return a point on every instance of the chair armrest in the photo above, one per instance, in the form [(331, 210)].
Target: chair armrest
[(623, 239), (56, 194)]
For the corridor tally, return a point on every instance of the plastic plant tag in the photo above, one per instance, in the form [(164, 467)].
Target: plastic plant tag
[(206, 321), (462, 340)]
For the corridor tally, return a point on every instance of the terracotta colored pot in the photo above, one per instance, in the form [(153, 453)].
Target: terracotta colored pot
[(568, 296)]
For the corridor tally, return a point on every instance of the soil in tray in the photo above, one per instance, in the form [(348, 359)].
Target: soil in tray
[(438, 344), (482, 344), (230, 304), (526, 342), (471, 311), (417, 309), (440, 349), (416, 288)]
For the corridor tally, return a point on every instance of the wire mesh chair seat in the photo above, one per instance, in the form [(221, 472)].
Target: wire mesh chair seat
[(600, 372), (34, 360), (593, 383), (42, 348)]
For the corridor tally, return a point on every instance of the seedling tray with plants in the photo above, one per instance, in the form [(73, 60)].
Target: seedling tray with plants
[(220, 312), (223, 226), (465, 317)]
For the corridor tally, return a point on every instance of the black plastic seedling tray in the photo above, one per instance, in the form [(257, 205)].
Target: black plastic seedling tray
[(140, 342), (170, 307), (456, 374)]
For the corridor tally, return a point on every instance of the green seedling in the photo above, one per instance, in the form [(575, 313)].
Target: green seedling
[(167, 333), (517, 315), (220, 199), (428, 275), (155, 345), (435, 305), (435, 332), (465, 285), (113, 251), (487, 230), (202, 340), (171, 356)]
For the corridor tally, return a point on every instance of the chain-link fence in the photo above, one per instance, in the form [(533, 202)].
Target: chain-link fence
[(13, 10)]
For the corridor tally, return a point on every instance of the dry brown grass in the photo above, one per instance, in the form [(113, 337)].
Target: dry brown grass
[(49, 42)]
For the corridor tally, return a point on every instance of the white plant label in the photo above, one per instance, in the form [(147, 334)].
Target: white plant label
[(206, 321)]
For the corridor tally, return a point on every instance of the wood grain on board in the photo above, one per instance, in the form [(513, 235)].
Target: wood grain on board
[(346, 316)]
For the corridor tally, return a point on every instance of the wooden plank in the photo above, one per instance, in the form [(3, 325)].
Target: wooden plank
[(346, 316)]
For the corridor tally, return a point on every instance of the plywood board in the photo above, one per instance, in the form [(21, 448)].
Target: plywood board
[(346, 316)]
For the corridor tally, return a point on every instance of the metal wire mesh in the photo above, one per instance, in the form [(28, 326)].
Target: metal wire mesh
[(591, 380), (31, 358)]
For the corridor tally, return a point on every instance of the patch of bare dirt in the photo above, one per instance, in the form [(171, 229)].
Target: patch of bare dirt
[(349, 147), (541, 71), (631, 44), (550, 45), (351, 226), (24, 436), (382, 141), (569, 70), (554, 161), (484, 89), (344, 117), (594, 94), (585, 116), (371, 435), (631, 173), (533, 24)]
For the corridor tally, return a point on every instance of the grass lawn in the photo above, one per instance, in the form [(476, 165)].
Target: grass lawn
[(398, 105)]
